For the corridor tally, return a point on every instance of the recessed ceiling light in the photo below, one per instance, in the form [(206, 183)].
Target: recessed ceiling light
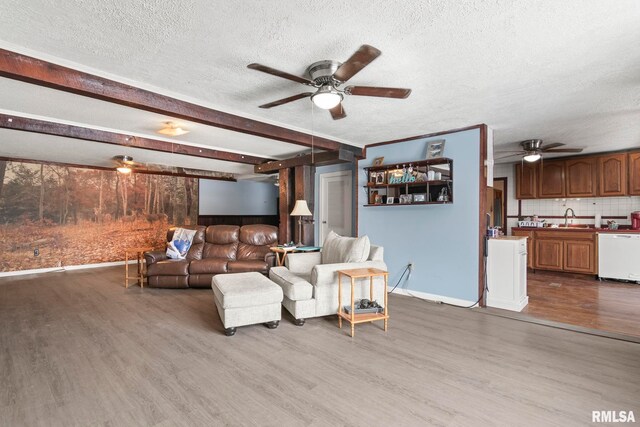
[(172, 129)]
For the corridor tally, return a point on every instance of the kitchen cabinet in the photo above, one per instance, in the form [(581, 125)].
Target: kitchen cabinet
[(526, 180), (548, 254), (558, 249), (604, 175), (529, 236), (634, 174), (580, 256), (552, 179), (581, 178), (613, 175)]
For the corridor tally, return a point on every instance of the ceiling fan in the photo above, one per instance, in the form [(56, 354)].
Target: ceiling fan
[(327, 77), (532, 150), (126, 165)]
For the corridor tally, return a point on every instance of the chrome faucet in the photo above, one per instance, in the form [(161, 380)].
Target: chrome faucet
[(566, 216)]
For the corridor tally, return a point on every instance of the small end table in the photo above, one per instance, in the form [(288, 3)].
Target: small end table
[(281, 251), (139, 254), (352, 317)]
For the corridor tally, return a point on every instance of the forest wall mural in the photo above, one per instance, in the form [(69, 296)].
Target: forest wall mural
[(56, 216)]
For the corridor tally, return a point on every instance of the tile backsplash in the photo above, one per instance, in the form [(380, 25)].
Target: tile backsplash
[(605, 206)]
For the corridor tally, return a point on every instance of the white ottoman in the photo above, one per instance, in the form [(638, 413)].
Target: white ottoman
[(246, 299)]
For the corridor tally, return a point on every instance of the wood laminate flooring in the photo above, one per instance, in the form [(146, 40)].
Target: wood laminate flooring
[(77, 348), (583, 301)]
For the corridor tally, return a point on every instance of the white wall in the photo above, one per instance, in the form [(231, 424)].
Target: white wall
[(237, 198)]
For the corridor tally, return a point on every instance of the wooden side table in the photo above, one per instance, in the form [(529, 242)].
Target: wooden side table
[(353, 318), (139, 254), (281, 252)]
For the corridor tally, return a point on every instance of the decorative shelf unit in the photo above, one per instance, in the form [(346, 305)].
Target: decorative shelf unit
[(409, 184)]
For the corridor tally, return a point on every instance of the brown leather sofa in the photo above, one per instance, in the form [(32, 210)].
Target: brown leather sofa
[(216, 249)]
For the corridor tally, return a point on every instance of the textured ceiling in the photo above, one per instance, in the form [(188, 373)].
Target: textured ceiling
[(563, 71)]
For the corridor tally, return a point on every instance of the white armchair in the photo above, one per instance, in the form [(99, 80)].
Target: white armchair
[(311, 288)]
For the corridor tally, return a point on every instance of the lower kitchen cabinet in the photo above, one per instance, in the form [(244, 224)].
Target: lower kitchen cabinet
[(561, 250), (580, 256), (548, 254)]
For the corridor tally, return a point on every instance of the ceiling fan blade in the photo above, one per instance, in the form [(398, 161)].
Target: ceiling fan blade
[(553, 145), (509, 155), (564, 150), (360, 59), (338, 112), (287, 100), (278, 73), (384, 92), (510, 151)]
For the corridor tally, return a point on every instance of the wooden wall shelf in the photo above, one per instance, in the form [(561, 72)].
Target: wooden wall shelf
[(378, 188)]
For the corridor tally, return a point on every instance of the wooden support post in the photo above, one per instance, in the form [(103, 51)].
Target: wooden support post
[(304, 190), (285, 179)]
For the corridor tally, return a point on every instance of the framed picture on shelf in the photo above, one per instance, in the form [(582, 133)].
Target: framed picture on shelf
[(380, 178), (378, 161), (435, 149), (372, 177), (378, 200), (419, 197), (390, 200), (406, 198)]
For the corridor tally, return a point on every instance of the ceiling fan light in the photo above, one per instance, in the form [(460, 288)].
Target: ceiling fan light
[(532, 157), (124, 169), (326, 98), (171, 129)]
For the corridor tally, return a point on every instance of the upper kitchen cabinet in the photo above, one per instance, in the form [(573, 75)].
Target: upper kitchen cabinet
[(580, 175), (634, 174), (526, 180), (552, 179), (613, 175)]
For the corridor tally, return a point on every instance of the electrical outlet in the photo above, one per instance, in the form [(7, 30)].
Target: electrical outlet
[(36, 252)]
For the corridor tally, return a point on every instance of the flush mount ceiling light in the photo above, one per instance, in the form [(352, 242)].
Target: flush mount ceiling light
[(171, 129), (326, 97), (124, 163)]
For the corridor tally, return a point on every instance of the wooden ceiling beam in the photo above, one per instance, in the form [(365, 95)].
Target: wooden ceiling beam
[(76, 132), (16, 66), (316, 159), (192, 173)]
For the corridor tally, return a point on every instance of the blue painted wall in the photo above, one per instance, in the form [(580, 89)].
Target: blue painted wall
[(316, 203), (440, 240), (237, 198)]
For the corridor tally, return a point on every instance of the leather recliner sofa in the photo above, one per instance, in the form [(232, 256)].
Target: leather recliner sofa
[(216, 249)]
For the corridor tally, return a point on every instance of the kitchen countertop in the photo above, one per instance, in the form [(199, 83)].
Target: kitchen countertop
[(578, 229)]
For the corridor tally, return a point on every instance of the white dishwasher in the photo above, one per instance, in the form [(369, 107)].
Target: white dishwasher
[(619, 256)]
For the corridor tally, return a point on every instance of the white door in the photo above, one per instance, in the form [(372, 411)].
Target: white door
[(336, 201)]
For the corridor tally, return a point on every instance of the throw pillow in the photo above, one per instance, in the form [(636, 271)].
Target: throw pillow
[(339, 249), (178, 247)]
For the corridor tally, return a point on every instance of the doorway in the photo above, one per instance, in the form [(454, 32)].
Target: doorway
[(335, 204), (497, 203)]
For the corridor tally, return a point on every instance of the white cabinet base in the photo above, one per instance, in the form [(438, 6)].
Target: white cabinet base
[(507, 273)]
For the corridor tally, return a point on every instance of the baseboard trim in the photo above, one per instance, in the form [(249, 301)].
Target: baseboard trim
[(60, 269), (439, 299)]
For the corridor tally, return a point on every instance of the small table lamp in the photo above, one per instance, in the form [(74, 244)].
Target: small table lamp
[(300, 209)]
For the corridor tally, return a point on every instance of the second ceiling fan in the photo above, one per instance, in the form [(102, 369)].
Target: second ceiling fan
[(327, 77)]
